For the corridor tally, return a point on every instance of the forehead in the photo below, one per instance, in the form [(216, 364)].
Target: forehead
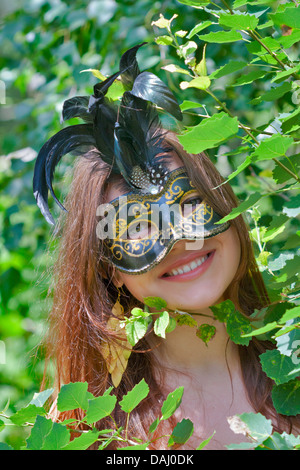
[(117, 186)]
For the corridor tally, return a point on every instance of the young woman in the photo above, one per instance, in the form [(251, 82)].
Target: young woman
[(129, 160)]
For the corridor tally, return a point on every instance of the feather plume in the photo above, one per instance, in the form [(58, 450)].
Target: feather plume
[(128, 137), (65, 141)]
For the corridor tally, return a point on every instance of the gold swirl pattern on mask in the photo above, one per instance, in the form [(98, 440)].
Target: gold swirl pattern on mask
[(175, 191), (203, 214), (135, 248)]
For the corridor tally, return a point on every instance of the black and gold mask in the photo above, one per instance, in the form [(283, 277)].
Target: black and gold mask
[(140, 230)]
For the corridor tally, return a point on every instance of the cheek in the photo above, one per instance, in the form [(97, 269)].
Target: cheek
[(231, 252), (138, 285)]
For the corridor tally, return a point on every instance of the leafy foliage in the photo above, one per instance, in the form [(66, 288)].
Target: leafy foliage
[(235, 66), (48, 435)]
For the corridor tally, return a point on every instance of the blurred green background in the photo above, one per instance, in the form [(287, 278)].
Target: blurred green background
[(45, 44)]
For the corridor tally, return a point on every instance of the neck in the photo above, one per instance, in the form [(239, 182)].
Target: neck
[(182, 352)]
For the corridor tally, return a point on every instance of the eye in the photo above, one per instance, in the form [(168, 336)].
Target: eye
[(190, 204)]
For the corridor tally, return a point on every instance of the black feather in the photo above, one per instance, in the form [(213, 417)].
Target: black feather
[(129, 67), (149, 87), (65, 141), (138, 137), (76, 107)]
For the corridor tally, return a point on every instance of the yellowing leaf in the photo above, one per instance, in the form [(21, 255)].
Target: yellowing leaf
[(117, 352)]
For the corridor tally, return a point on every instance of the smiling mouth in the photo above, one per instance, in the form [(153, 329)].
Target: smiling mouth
[(195, 266)]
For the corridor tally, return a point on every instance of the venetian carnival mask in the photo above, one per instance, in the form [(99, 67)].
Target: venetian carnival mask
[(139, 231), (145, 223)]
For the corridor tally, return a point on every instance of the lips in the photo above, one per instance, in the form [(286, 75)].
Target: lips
[(188, 266)]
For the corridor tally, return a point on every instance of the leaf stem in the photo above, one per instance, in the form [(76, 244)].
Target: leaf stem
[(296, 177), (227, 6)]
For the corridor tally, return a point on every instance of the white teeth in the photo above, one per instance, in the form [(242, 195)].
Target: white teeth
[(187, 267)]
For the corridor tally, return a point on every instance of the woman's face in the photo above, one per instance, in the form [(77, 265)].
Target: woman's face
[(194, 275)]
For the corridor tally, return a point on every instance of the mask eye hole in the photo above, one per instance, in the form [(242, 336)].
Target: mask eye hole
[(190, 204)]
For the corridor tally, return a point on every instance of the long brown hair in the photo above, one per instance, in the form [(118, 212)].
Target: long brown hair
[(84, 295)]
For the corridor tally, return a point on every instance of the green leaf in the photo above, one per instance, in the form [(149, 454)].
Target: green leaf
[(289, 17), (137, 312), (206, 332), (288, 340), (100, 407), (210, 133), (291, 123), (171, 403), (27, 414), (249, 202), (84, 441), (133, 398), (161, 324), (286, 398), (39, 399), (264, 329), (256, 48), (231, 67), (162, 22), (275, 228), (195, 3), (263, 257), (186, 104), (257, 426), (249, 77), (57, 438), (72, 396), (181, 33), (240, 168), (187, 49), (40, 430), (238, 21), (274, 93), (185, 319), (278, 367), (289, 270), (272, 147), (205, 442), (155, 302), (182, 432), (154, 425), (136, 329), (201, 83), (164, 40), (173, 68), (4, 446), (223, 310), (289, 40), (172, 325), (285, 73), (292, 207), (290, 314), (221, 37), (280, 175), (199, 27), (242, 446), (276, 442), (237, 326)]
